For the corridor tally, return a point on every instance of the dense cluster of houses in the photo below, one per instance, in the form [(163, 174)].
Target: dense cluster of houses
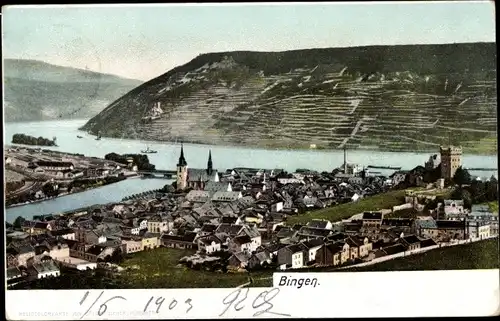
[(242, 213), (59, 167)]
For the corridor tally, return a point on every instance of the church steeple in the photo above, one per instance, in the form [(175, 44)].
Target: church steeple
[(209, 164), (182, 161)]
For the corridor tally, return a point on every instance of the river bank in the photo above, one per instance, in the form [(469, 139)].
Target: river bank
[(48, 198), (487, 146), (110, 193), (225, 157)]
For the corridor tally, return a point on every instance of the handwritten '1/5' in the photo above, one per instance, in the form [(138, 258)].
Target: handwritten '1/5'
[(158, 302)]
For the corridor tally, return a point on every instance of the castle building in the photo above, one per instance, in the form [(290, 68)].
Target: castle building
[(451, 160), (432, 163), (193, 177)]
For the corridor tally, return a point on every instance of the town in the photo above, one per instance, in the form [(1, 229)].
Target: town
[(245, 219), (36, 175)]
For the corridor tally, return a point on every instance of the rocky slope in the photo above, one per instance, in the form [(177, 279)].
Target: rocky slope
[(384, 97), (36, 90)]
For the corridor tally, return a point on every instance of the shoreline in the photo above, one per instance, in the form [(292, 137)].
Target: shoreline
[(63, 194), (466, 150)]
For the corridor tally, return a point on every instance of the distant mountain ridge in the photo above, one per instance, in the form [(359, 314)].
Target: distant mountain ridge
[(411, 97), (36, 90)]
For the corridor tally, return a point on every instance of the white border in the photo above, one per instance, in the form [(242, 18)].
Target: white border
[(349, 294), (233, 4)]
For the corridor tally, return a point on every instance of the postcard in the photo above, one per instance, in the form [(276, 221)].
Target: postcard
[(276, 160)]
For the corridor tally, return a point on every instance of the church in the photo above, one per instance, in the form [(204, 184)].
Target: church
[(193, 177)]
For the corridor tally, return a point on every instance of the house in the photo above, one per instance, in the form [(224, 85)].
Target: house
[(23, 253), (404, 225), (354, 247), (186, 241), (150, 240), (345, 254), (157, 224), (232, 230), (47, 268), (454, 208), (426, 242), (320, 224), (66, 233), (307, 233), (37, 227), (132, 244), (72, 174), (89, 236), (54, 165), (277, 207), (286, 235), (292, 256), (198, 196), (394, 249), (206, 229), (273, 249), (424, 226), (371, 222), (478, 229), (209, 244), (259, 259), (410, 242), (13, 276), (329, 254), (446, 230), (398, 177), (312, 248), (56, 248), (239, 260), (365, 247), (212, 187), (226, 196), (242, 243)]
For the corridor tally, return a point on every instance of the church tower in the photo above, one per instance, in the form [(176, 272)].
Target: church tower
[(210, 168), (182, 171)]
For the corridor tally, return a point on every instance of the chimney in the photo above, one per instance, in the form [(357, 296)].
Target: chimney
[(345, 160)]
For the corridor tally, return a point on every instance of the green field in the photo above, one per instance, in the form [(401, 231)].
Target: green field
[(159, 268), (493, 207), (478, 255), (343, 211)]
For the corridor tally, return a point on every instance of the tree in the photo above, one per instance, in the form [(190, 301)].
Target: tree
[(18, 222), (462, 194), (491, 190), (462, 176)]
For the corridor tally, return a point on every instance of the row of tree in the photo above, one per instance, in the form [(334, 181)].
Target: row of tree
[(30, 140), (142, 161)]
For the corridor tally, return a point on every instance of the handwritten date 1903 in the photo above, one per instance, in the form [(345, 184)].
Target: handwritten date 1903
[(261, 303)]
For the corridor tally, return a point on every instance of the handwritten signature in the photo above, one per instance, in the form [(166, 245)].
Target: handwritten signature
[(236, 300)]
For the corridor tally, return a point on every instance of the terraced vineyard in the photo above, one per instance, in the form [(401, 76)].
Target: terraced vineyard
[(416, 98)]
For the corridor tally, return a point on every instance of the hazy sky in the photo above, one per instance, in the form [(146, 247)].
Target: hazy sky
[(145, 42)]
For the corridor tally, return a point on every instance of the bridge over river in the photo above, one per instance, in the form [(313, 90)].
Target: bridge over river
[(157, 173)]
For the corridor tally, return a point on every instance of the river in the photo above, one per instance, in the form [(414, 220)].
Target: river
[(223, 157), (106, 194)]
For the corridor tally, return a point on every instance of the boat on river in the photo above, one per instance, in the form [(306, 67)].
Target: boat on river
[(149, 151)]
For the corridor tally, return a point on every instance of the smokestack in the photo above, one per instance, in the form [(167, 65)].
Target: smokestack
[(345, 160)]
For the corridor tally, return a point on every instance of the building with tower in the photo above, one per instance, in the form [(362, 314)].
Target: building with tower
[(193, 177), (182, 171), (451, 160)]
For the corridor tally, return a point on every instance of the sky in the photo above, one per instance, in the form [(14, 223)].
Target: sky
[(143, 42)]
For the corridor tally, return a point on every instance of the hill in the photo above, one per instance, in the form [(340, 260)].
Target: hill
[(36, 90), (412, 97)]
